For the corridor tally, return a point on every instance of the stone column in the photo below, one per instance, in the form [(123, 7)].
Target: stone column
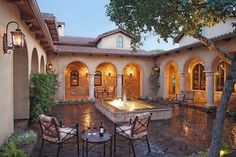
[(91, 86), (119, 85), (182, 81), (210, 89)]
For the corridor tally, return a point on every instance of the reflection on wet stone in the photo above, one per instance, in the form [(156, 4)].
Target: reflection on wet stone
[(187, 132)]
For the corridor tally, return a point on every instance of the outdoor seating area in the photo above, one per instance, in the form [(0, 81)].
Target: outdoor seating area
[(117, 78), (184, 98), (184, 134)]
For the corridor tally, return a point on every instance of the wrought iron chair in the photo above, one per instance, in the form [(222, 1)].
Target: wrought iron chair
[(189, 98), (99, 92), (179, 98), (111, 91), (54, 132), (133, 131)]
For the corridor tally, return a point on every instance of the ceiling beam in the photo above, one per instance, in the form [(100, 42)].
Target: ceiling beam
[(35, 29), (26, 17), (39, 36)]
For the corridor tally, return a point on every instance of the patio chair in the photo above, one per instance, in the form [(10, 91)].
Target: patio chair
[(133, 131), (55, 132), (179, 98), (99, 92), (189, 99), (111, 91)]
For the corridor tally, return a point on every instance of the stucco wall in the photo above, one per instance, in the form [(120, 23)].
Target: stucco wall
[(184, 58), (9, 12), (210, 32), (61, 61), (109, 42)]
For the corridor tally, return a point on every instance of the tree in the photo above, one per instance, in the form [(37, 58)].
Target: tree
[(169, 18)]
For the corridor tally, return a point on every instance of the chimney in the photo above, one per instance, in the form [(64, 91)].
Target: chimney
[(61, 28)]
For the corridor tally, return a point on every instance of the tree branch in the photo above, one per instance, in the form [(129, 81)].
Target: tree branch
[(212, 46)]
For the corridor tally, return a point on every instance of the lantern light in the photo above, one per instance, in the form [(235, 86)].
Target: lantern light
[(17, 38)]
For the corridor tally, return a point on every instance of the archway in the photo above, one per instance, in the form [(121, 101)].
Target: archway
[(76, 81), (34, 61), (172, 79), (42, 65), (195, 78), (21, 84), (131, 81), (105, 81)]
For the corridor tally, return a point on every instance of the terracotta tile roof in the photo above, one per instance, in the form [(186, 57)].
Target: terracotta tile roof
[(195, 44), (79, 41), (64, 49), (50, 20), (110, 33)]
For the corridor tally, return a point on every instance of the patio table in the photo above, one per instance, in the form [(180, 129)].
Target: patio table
[(94, 139)]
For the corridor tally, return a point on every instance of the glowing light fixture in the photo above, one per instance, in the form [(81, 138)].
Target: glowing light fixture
[(49, 67), (17, 38)]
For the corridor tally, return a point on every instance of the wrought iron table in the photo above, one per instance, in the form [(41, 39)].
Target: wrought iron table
[(94, 139)]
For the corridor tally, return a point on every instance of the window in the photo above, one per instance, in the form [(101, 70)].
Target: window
[(74, 78), (198, 77), (119, 42), (98, 78), (220, 78)]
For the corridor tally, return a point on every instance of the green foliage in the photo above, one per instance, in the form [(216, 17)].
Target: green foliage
[(42, 90), (233, 113), (169, 18), (211, 109), (154, 80), (24, 138), (201, 154), (9, 150)]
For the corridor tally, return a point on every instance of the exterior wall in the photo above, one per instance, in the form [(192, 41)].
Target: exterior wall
[(61, 61), (210, 32), (9, 12), (109, 42), (183, 60)]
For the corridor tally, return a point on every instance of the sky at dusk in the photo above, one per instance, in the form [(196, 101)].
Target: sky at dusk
[(87, 18)]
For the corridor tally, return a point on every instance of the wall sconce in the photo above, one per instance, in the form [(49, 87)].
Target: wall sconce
[(49, 66), (17, 38)]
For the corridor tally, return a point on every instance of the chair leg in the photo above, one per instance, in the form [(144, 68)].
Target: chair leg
[(77, 136), (41, 148), (58, 149), (115, 138), (132, 144), (149, 149)]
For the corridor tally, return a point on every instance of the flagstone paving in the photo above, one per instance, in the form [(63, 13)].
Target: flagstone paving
[(188, 132)]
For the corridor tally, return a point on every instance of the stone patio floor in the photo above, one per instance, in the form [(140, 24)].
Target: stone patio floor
[(188, 132)]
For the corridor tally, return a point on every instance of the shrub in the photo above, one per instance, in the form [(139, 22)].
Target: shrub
[(233, 113), (24, 138), (9, 150), (42, 90)]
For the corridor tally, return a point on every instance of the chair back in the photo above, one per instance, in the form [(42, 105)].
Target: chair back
[(140, 125), (111, 89), (49, 127), (190, 95)]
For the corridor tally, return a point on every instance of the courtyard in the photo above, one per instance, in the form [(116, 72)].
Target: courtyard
[(186, 133)]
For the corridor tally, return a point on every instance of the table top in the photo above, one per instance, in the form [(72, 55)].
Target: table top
[(95, 138)]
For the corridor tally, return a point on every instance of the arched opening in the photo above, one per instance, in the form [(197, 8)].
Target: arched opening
[(42, 65), (172, 79), (195, 79), (76, 81), (34, 61), (105, 81), (21, 84), (131, 81)]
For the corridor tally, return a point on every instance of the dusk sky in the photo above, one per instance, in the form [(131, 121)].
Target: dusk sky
[(87, 18)]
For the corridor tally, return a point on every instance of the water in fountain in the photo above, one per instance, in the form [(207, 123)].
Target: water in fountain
[(124, 99)]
